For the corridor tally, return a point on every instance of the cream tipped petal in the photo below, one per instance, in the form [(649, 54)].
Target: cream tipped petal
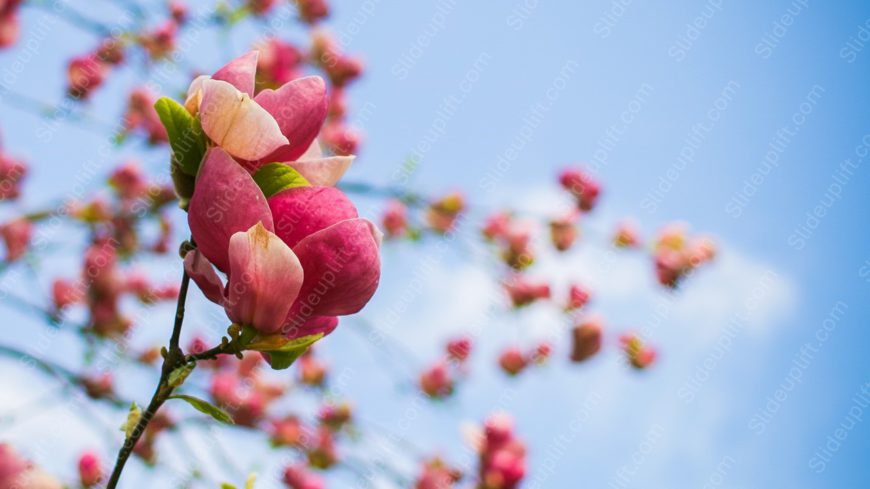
[(323, 172), (236, 123)]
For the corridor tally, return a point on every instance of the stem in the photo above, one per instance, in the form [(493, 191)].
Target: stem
[(173, 358)]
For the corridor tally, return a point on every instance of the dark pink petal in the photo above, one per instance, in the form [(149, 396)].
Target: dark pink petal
[(240, 72), (342, 270), (300, 109), (301, 211), (226, 200), (315, 325), (201, 271), (265, 277)]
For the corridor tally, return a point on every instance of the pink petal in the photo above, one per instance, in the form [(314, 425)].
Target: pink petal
[(265, 278), (302, 211), (315, 325), (202, 272), (299, 107), (342, 270), (236, 123), (240, 72), (325, 172), (226, 200)]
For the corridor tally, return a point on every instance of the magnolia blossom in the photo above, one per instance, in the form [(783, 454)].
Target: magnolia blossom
[(436, 474), (275, 126), (278, 63), (294, 261), (444, 212), (459, 349), (582, 187), (312, 371), (676, 255), (142, 116), (16, 235), (395, 219), (512, 361), (523, 291), (564, 231), (12, 172), (586, 339), (578, 296), (502, 454), (9, 26), (85, 74), (17, 473), (299, 477), (626, 235), (312, 11), (437, 381), (160, 42), (335, 416), (639, 355), (91, 470), (288, 431)]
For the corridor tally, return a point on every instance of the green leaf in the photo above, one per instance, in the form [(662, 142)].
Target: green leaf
[(185, 134), (284, 356), (276, 177), (206, 408), (279, 343), (133, 418), (179, 375), (228, 486)]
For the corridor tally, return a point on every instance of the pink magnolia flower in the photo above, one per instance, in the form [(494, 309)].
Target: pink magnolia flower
[(340, 138), (275, 126), (160, 42), (16, 235), (436, 474), (639, 355), (294, 261), (395, 220), (323, 454), (512, 361), (128, 180), (91, 470), (582, 186), (142, 116), (496, 226), (436, 381), (444, 212), (502, 455), (459, 349), (66, 292), (312, 11), (12, 171), (85, 74), (586, 339), (246, 404), (312, 371), (578, 296), (289, 432), (278, 63), (563, 231), (523, 292), (299, 477), (626, 235)]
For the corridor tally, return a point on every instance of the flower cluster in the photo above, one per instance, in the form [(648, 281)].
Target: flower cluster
[(502, 455), (438, 380), (296, 254), (676, 255)]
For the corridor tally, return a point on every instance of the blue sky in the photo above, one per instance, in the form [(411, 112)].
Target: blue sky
[(623, 86)]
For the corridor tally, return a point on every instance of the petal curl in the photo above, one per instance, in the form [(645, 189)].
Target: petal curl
[(302, 211), (236, 123), (240, 72), (265, 278), (201, 271), (342, 270), (300, 108), (226, 200)]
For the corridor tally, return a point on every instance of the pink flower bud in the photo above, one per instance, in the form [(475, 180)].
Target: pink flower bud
[(444, 212), (523, 292), (299, 477), (90, 469), (16, 236), (260, 7), (312, 11), (586, 339), (542, 353), (436, 381), (459, 349), (436, 474), (512, 361), (312, 371), (85, 74), (563, 232), (626, 236), (582, 186), (111, 51), (10, 29), (335, 416), (142, 116), (289, 432), (578, 296), (99, 385), (66, 292), (395, 220), (279, 62), (12, 172), (178, 11), (323, 454), (160, 42), (638, 354)]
